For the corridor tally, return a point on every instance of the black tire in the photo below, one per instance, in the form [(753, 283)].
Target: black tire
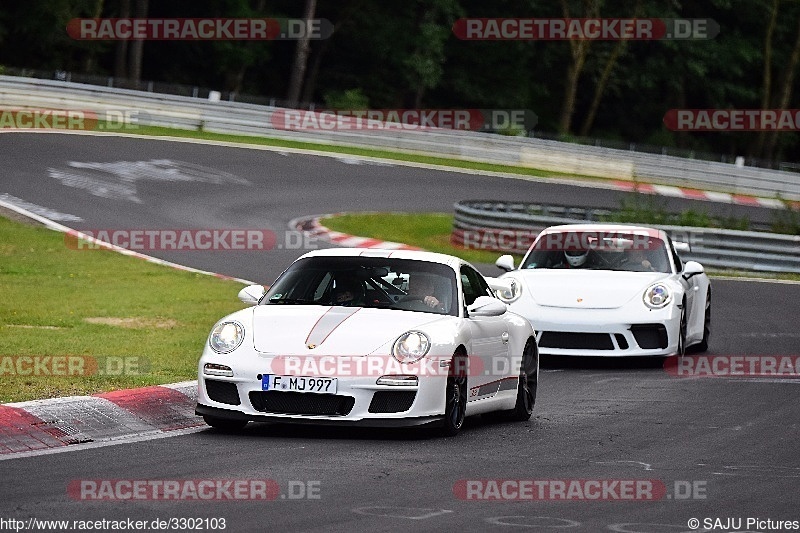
[(528, 384), (682, 332), (224, 424), (702, 346), (455, 395)]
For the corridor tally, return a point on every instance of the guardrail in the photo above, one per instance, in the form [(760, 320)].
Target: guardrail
[(511, 228), (250, 119)]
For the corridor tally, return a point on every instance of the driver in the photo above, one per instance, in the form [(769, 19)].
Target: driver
[(637, 259), (421, 287)]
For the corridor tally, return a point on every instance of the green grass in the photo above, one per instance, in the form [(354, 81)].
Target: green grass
[(431, 231), (351, 150), (48, 290)]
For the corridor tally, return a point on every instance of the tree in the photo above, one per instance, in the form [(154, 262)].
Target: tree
[(301, 57), (579, 50)]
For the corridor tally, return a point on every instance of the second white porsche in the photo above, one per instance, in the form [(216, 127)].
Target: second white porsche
[(610, 290)]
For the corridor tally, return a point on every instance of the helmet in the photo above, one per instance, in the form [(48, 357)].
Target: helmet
[(576, 258)]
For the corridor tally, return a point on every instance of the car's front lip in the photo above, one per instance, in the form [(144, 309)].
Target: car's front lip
[(231, 414)]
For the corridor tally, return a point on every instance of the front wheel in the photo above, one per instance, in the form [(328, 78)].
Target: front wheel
[(682, 332), (455, 397), (702, 346), (528, 383)]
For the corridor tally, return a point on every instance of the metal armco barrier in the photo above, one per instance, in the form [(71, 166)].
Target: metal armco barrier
[(512, 227), (185, 112)]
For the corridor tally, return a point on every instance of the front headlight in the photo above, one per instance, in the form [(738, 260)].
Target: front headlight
[(226, 337), (513, 294), (411, 346), (657, 296)]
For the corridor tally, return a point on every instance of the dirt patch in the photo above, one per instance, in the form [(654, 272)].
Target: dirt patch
[(133, 322)]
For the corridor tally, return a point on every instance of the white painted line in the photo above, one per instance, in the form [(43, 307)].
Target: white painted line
[(721, 197), (411, 513), (668, 190), (773, 203)]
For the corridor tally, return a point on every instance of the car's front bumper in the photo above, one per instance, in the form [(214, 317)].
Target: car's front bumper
[(359, 400), (604, 332)]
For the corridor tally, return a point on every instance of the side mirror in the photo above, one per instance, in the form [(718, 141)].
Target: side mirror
[(505, 262), (505, 288), (486, 306), (692, 268), (251, 294)]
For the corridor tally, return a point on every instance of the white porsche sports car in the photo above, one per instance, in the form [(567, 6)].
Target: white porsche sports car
[(370, 337), (608, 289)]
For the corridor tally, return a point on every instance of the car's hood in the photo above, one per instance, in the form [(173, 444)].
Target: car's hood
[(586, 289), (291, 329)]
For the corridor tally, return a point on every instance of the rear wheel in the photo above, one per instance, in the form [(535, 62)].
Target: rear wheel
[(224, 424), (455, 396)]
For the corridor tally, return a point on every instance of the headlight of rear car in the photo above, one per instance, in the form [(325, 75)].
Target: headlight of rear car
[(657, 296), (226, 337), (514, 294), (411, 346)]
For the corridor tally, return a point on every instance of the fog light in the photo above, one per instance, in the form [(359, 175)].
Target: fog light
[(398, 381), (211, 369)]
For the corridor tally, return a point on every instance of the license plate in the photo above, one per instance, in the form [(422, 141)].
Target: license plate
[(298, 384)]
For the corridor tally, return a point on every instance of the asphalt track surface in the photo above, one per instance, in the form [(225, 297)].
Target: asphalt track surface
[(735, 439)]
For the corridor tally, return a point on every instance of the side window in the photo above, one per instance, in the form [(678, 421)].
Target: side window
[(474, 285)]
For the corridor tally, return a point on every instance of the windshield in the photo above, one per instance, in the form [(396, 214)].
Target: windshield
[(596, 251), (367, 282)]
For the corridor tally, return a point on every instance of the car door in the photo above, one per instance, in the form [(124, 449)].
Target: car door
[(489, 359)]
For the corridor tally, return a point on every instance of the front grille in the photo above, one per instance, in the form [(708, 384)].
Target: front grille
[(392, 401), (650, 336), (301, 403), (223, 391), (569, 340)]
